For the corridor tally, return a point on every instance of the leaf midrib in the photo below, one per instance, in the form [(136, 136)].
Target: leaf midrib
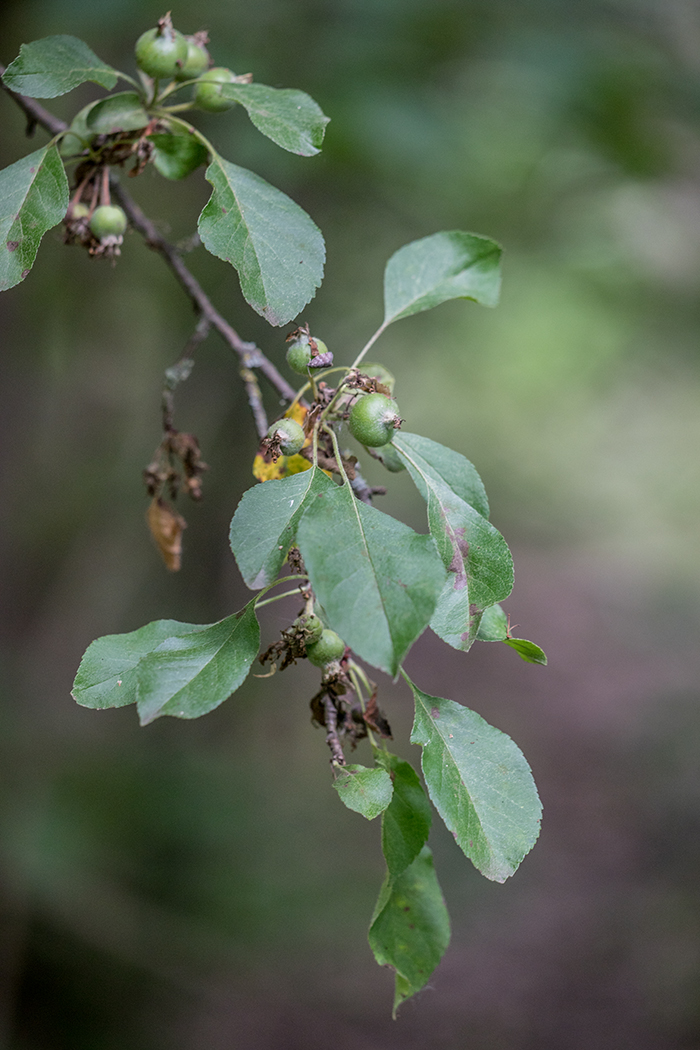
[(188, 684), (346, 485), (452, 534), (447, 748)]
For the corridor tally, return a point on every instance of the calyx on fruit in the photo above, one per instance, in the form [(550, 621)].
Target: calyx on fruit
[(329, 647), (381, 374), (306, 351), (161, 52), (207, 92), (197, 61), (373, 419), (311, 626), (286, 436), (108, 221)]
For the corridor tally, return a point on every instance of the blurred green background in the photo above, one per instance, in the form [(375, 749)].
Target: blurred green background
[(198, 884)]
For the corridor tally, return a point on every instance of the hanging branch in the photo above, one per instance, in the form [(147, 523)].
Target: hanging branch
[(250, 355)]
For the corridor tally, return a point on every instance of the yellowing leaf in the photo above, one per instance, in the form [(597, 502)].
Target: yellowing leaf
[(296, 412), (284, 466)]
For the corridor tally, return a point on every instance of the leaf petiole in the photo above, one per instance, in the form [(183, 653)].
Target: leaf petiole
[(287, 594), (284, 579), (369, 344)]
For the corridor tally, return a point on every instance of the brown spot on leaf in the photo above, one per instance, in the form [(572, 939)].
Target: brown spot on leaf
[(25, 273), (434, 712), (12, 246), (459, 558)]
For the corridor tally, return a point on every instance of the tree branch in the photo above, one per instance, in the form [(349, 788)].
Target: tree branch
[(251, 357), (332, 738)]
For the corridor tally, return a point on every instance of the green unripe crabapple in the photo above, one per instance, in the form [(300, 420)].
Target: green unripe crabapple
[(107, 221), (299, 357), (329, 647), (197, 61), (290, 435), (207, 92), (311, 625), (161, 52), (373, 420)]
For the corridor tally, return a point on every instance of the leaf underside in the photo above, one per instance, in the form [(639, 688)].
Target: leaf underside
[(120, 112), (435, 269), (494, 628), (288, 117), (366, 791), (410, 928), (478, 562)]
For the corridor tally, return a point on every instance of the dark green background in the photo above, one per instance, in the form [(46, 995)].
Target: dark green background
[(198, 884)]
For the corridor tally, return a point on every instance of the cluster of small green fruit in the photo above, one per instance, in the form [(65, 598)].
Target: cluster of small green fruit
[(372, 417), (372, 420), (323, 646), (164, 53)]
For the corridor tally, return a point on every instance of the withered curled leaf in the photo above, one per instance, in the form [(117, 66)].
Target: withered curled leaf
[(166, 527)]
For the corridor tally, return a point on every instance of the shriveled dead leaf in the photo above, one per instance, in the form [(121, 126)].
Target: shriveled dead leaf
[(166, 527)]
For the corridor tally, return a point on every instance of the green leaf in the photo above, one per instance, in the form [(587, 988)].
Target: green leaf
[(177, 155), (389, 458), (528, 650), (78, 136), (410, 928), (169, 668), (290, 118), (477, 558), (107, 676), (444, 466), (276, 248), (189, 675), (493, 626), (444, 266), (33, 198), (265, 523), (121, 112), (57, 64), (376, 579), (406, 821), (366, 791), (479, 782)]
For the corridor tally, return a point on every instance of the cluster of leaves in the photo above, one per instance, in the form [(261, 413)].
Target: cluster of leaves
[(366, 576), (378, 584), (274, 245)]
